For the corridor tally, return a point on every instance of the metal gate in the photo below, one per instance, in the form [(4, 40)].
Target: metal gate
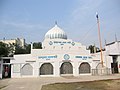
[(66, 68), (114, 67), (84, 68), (46, 69), (27, 69)]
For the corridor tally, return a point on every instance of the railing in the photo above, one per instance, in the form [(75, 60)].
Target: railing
[(104, 71)]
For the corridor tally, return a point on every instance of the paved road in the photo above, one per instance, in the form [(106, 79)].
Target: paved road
[(36, 83)]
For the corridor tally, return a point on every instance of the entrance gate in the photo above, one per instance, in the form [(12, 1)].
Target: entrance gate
[(46, 69), (114, 65), (6, 72), (84, 68), (66, 68)]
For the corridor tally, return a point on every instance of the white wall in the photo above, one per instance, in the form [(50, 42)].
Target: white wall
[(54, 50), (113, 49), (118, 59)]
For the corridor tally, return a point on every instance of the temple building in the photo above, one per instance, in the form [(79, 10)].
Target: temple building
[(59, 56)]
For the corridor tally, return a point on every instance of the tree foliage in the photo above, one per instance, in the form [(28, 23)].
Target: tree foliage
[(11, 49), (21, 50), (4, 49), (93, 49), (37, 45)]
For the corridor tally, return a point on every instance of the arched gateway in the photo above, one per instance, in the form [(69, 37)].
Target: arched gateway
[(66, 68), (46, 69), (84, 68), (27, 69)]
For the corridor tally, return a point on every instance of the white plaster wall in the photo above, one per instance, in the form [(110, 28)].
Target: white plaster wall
[(22, 58), (36, 69), (1, 68), (113, 49), (76, 68), (52, 50), (18, 62), (119, 64), (13, 74), (57, 69)]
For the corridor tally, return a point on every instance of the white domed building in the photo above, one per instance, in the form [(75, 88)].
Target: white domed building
[(55, 33), (59, 56)]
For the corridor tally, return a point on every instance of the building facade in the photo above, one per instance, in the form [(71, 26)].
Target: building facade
[(113, 51), (59, 56)]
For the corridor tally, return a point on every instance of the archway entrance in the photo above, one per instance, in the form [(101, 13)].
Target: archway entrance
[(66, 68), (6, 72), (84, 68), (114, 65), (46, 69), (27, 69)]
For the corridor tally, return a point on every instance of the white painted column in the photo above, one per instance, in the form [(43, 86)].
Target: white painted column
[(31, 46), (36, 69), (1, 68), (56, 69), (75, 69), (118, 64)]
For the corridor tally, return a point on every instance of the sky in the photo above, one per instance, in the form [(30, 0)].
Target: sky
[(31, 19)]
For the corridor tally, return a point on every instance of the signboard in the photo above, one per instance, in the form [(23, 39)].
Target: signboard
[(83, 57), (16, 68), (47, 57), (61, 43)]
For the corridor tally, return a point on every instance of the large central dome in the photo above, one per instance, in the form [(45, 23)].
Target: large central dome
[(55, 33)]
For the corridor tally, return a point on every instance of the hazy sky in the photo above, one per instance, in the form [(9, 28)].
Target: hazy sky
[(31, 19)]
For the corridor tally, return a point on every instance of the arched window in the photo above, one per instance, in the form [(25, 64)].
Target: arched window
[(27, 69), (66, 68), (84, 68), (46, 69)]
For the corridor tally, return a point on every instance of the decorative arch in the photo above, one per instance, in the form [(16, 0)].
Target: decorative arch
[(27, 69), (66, 68), (84, 68), (46, 69)]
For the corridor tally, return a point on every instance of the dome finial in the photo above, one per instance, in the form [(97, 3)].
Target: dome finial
[(55, 23)]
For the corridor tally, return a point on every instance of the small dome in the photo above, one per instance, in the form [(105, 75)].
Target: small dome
[(55, 33)]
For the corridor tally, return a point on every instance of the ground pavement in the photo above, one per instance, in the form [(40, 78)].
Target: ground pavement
[(36, 83)]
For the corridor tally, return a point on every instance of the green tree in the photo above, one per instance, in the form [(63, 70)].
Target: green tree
[(37, 45), (28, 48), (21, 50), (11, 49), (93, 49), (4, 49)]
